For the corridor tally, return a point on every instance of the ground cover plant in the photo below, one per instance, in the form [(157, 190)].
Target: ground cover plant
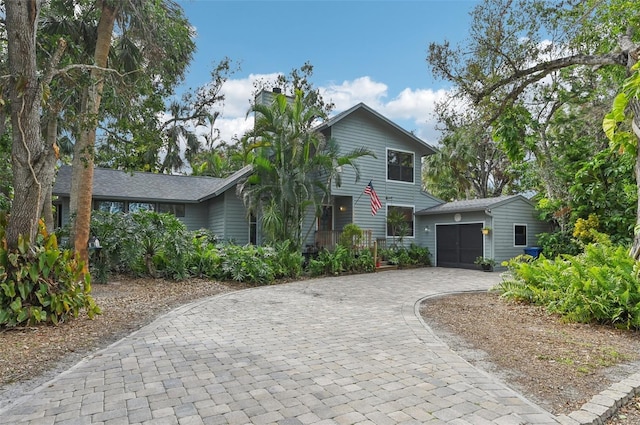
[(41, 282), (600, 285)]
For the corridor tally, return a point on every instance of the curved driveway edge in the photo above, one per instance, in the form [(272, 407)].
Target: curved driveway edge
[(345, 350)]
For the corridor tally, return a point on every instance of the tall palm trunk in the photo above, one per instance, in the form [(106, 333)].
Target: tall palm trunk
[(83, 155)]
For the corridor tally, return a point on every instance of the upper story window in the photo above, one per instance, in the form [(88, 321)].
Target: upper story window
[(400, 166), (519, 235)]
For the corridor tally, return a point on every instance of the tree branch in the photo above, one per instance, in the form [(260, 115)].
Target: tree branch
[(543, 69)]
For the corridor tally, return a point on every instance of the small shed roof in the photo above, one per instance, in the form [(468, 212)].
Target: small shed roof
[(469, 205), (117, 184)]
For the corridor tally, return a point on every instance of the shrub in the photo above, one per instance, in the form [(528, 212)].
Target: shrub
[(351, 237), (407, 257), (245, 264), (205, 259), (330, 263), (341, 260), (143, 243), (41, 283), (286, 261), (556, 243), (600, 285)]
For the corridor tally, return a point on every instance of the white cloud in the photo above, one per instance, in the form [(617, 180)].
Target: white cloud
[(350, 93), (411, 109)]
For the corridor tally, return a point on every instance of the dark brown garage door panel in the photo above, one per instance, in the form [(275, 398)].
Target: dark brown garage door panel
[(458, 245)]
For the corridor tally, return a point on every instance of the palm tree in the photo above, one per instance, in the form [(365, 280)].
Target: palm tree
[(293, 167)]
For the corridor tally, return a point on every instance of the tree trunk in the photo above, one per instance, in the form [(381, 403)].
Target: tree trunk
[(32, 160), (83, 155), (50, 140)]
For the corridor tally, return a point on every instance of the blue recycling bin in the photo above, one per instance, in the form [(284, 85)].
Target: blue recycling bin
[(534, 251)]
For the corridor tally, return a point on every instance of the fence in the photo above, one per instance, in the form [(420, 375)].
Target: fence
[(328, 239)]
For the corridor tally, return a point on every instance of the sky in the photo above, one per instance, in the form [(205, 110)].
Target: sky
[(361, 51)]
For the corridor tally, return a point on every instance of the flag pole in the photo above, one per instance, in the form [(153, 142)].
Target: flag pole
[(361, 193)]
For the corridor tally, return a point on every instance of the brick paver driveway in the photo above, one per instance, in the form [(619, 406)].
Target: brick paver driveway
[(347, 350)]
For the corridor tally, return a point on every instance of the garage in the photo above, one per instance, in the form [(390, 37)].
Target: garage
[(458, 245)]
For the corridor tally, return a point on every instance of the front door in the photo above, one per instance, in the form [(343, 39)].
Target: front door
[(325, 221)]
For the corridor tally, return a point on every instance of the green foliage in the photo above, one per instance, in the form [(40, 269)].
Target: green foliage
[(294, 166), (485, 261), (246, 264), (559, 242), (163, 242), (41, 283), (341, 260), (205, 258), (605, 186), (621, 136), (142, 243), (600, 285), (286, 261), (468, 162), (351, 236), (256, 265), (406, 257), (330, 262), (158, 245)]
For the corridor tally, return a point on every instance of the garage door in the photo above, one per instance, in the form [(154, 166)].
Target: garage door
[(458, 245)]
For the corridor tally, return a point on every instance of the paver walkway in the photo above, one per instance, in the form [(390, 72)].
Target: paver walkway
[(347, 350)]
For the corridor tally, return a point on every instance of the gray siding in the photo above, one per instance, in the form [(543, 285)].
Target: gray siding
[(216, 217), (237, 223), (195, 216), (228, 218), (359, 130), (502, 235)]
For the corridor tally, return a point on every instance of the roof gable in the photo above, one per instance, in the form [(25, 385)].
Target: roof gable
[(361, 107)]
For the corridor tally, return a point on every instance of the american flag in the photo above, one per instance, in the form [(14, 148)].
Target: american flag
[(375, 201)]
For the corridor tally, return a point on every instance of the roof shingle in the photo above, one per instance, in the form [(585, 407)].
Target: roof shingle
[(117, 184)]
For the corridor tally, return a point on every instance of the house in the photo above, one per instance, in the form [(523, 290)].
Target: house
[(212, 203), (500, 228), (394, 174), (199, 202)]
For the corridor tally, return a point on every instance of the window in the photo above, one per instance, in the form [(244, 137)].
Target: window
[(57, 215), (141, 206), (399, 221), (175, 209), (253, 229), (519, 235), (110, 206), (400, 166)]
